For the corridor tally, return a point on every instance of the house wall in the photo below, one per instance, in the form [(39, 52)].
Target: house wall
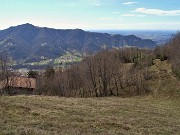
[(18, 91)]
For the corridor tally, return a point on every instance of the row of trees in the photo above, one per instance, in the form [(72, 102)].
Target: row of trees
[(121, 72)]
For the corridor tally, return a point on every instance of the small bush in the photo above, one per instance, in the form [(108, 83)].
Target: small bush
[(162, 57), (176, 71)]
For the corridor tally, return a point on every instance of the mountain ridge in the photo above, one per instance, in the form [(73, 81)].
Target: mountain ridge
[(30, 43)]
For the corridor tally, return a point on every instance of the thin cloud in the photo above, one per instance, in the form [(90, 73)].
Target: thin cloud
[(107, 18), (130, 3), (93, 2), (115, 12), (132, 15), (158, 12), (97, 4), (129, 15)]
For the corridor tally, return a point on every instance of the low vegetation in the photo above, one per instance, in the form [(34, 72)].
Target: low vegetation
[(171, 52), (41, 115)]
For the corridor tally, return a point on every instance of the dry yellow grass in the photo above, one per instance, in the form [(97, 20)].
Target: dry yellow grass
[(164, 82), (39, 115)]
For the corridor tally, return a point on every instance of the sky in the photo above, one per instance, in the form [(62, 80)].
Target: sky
[(92, 14)]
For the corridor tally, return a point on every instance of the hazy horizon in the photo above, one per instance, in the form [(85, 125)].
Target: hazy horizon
[(96, 30)]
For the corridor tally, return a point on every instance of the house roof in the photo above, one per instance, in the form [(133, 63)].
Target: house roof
[(20, 82)]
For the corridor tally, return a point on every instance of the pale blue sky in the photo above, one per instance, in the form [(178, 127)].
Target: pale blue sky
[(92, 14)]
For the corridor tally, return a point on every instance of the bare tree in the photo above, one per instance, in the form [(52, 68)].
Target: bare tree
[(108, 73), (5, 69)]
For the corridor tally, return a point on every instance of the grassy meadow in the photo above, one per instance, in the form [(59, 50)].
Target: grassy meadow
[(42, 115)]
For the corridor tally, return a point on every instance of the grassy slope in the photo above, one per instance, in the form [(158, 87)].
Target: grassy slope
[(38, 115), (164, 82)]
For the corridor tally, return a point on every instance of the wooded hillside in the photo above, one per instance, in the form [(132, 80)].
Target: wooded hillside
[(123, 72)]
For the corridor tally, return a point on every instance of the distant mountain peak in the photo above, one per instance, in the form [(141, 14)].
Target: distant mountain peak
[(26, 25), (77, 29)]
